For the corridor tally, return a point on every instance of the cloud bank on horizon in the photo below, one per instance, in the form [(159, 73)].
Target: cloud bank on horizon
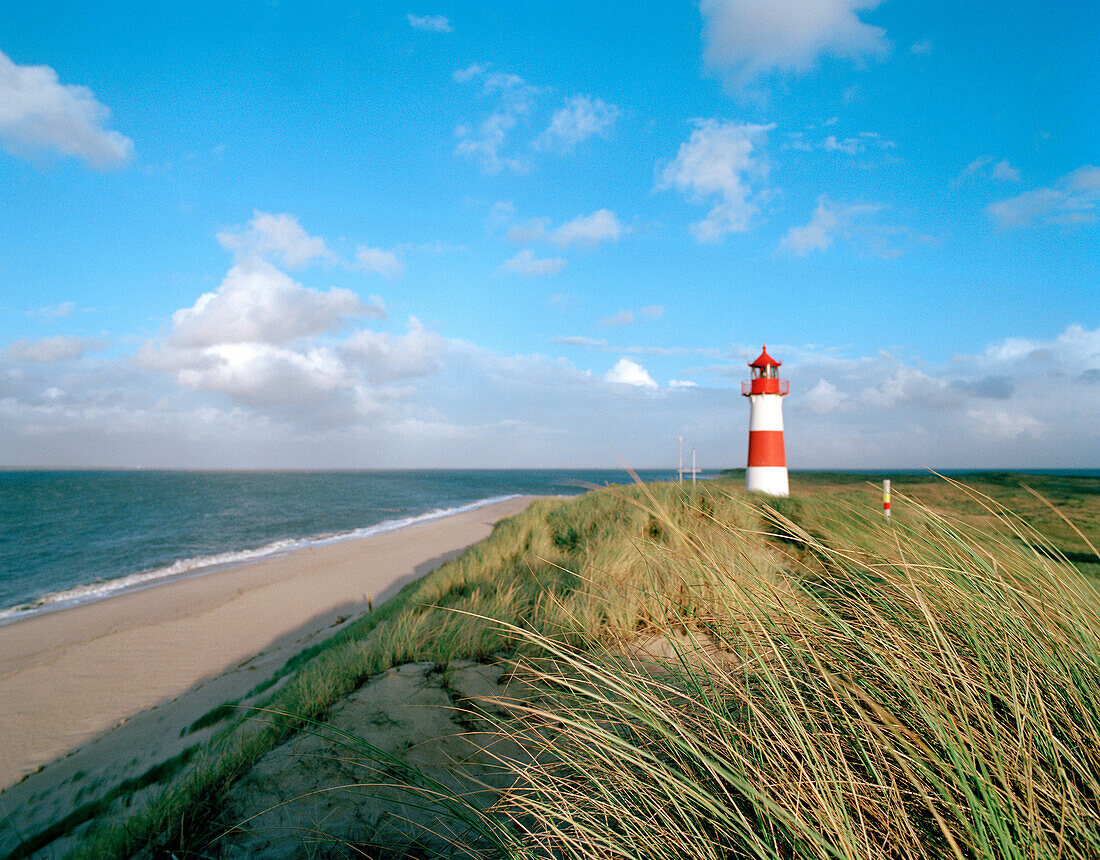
[(504, 240)]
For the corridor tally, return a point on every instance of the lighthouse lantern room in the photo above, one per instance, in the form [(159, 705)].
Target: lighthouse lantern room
[(767, 463)]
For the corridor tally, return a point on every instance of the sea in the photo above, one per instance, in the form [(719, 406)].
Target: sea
[(71, 537)]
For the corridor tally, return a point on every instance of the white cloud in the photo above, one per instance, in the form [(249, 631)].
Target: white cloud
[(525, 263), (256, 303), (849, 146), (748, 39), (534, 230), (1002, 424), (682, 383), (280, 236), (432, 23), (588, 230), (418, 399), (627, 372), (49, 349), (38, 113), (973, 167), (980, 167), (626, 318), (720, 159), (924, 46), (824, 397), (264, 375), (828, 221), (581, 341), (383, 357), (860, 143), (585, 230), (484, 142), (1071, 200), (385, 263), (467, 74), (1003, 170), (581, 118)]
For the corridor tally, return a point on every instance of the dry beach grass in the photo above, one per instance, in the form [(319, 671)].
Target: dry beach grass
[(712, 675)]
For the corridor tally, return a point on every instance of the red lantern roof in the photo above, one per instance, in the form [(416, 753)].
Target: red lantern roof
[(765, 360)]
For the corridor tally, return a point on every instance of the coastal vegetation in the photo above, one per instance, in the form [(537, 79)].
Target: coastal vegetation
[(717, 675)]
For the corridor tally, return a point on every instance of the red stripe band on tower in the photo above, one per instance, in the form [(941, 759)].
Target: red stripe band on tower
[(766, 448)]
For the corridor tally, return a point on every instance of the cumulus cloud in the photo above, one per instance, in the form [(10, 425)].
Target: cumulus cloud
[(748, 39), (385, 263), (628, 372), (432, 23), (581, 118), (383, 357), (40, 114), (527, 264), (279, 236), (265, 375), (1070, 201), (828, 221), (721, 160), (585, 230), (257, 303)]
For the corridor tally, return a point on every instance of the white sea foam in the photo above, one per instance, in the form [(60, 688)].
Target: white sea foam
[(209, 563)]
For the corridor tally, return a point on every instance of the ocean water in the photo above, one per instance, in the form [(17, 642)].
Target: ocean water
[(68, 537)]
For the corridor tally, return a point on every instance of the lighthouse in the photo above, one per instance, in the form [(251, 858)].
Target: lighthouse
[(767, 466)]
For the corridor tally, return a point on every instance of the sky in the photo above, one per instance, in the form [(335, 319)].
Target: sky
[(483, 234)]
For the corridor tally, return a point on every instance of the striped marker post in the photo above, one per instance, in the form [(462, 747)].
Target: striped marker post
[(767, 462), (886, 498)]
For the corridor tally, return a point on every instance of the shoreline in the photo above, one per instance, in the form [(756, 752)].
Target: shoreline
[(186, 568), (67, 678)]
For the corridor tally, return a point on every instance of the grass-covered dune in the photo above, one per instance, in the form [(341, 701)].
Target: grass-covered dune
[(733, 676)]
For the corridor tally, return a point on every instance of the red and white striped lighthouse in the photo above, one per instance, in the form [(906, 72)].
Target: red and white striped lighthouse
[(767, 466)]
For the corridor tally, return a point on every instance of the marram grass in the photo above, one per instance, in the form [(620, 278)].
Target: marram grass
[(913, 689), (724, 676)]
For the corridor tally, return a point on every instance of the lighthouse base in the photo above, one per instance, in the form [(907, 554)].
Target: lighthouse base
[(771, 480)]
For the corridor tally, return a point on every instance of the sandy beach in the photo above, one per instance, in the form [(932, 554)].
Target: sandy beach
[(67, 678)]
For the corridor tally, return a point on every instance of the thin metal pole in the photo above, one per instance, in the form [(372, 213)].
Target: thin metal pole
[(886, 497), (693, 467)]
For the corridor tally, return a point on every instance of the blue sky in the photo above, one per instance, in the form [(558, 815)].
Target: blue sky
[(472, 234)]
